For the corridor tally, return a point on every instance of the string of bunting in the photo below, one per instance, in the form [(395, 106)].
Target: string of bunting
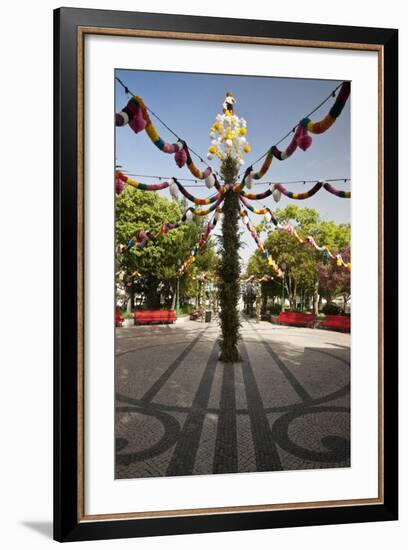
[(277, 189), (203, 211), (267, 212), (173, 185), (141, 238), (247, 222), (202, 277), (301, 138), (308, 241), (135, 114), (230, 130), (194, 183), (264, 279), (200, 244)]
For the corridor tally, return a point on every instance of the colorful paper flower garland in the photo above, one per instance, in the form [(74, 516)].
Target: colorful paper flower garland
[(135, 114), (228, 135), (309, 241), (264, 279), (173, 184), (141, 238), (331, 189), (266, 212), (247, 222), (200, 245), (301, 137), (276, 189)]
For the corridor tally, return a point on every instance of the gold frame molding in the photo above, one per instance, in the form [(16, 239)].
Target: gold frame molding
[(82, 32)]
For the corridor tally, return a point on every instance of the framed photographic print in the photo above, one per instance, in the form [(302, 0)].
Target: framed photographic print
[(225, 274)]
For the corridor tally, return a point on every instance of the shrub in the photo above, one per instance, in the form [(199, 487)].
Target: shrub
[(126, 315), (275, 309), (331, 309)]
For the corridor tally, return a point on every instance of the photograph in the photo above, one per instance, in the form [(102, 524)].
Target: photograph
[(232, 273), (225, 274)]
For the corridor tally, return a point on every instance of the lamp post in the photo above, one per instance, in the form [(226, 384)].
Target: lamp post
[(283, 267)]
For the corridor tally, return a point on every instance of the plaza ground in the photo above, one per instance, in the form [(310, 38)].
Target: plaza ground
[(179, 411)]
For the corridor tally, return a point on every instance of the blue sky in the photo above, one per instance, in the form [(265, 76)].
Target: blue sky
[(188, 103)]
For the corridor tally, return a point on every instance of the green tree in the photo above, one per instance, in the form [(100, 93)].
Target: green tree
[(333, 281), (159, 261), (301, 271)]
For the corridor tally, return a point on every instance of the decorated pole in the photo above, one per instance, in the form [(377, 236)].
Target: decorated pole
[(228, 144), (229, 269)]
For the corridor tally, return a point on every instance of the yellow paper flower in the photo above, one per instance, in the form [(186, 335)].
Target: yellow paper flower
[(227, 133)]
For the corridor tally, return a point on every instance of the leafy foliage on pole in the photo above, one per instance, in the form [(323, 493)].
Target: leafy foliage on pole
[(229, 269)]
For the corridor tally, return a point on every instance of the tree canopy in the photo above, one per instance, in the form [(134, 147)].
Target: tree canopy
[(305, 269), (158, 262)]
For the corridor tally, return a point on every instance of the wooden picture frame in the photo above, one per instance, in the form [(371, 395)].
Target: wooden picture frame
[(70, 27)]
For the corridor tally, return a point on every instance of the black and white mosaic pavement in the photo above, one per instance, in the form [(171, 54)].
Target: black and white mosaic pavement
[(179, 411)]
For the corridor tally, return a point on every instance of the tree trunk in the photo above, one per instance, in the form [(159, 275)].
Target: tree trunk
[(316, 298), (258, 302), (289, 288), (173, 300), (152, 296), (131, 300), (264, 300), (344, 303), (309, 298), (229, 269), (290, 292)]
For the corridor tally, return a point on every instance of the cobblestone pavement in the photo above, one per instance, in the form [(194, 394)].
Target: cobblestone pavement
[(179, 411)]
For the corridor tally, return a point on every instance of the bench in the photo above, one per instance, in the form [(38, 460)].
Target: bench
[(159, 316), (118, 319), (296, 319), (336, 322)]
